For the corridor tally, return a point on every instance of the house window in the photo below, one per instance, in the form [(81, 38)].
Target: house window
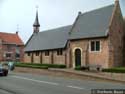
[(8, 55), (37, 53), (95, 46), (92, 46), (59, 52), (46, 53), (28, 54), (17, 55), (9, 47)]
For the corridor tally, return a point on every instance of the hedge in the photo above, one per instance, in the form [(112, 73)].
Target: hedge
[(115, 70), (41, 65), (81, 68), (32, 66), (54, 65)]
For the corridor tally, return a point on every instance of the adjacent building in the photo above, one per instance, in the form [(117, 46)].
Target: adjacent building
[(124, 42), (11, 47), (95, 38)]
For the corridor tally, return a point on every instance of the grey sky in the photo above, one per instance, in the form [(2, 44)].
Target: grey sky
[(52, 13)]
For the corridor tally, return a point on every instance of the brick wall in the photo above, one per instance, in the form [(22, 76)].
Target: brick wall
[(116, 37), (27, 59), (46, 59), (12, 49), (22, 53), (59, 59), (1, 52), (88, 57), (124, 44), (36, 58), (53, 58)]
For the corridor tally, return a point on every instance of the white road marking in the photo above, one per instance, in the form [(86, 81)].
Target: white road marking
[(46, 82), (39, 81), (75, 87)]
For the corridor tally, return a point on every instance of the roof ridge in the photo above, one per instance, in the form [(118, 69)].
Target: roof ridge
[(8, 33), (97, 9), (93, 23), (11, 38), (55, 28)]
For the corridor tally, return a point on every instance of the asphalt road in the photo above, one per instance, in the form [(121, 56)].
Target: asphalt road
[(20, 83)]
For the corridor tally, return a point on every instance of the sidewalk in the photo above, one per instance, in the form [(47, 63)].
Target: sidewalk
[(119, 77)]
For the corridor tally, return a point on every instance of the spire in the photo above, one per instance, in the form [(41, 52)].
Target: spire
[(36, 24)]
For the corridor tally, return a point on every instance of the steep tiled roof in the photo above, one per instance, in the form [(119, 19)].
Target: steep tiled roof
[(50, 39), (11, 38), (92, 24)]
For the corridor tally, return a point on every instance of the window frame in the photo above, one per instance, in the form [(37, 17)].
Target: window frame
[(8, 55), (47, 53), (37, 53), (17, 55), (95, 46), (28, 54), (59, 52)]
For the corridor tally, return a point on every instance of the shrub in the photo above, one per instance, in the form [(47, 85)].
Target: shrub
[(54, 65), (31, 66), (40, 65), (81, 68), (78, 68), (115, 70)]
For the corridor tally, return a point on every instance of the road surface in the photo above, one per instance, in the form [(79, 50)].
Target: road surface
[(24, 83)]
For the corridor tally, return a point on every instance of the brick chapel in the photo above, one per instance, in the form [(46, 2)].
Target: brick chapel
[(95, 38)]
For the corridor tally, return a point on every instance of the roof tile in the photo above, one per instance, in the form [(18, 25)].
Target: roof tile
[(11, 38)]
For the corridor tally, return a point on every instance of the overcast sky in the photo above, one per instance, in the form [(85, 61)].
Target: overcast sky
[(52, 13)]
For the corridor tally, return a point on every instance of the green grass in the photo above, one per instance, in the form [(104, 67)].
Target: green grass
[(40, 65), (115, 70)]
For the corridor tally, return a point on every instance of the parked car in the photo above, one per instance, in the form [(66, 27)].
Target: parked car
[(3, 70), (10, 64)]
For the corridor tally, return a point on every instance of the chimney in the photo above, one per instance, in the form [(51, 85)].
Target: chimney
[(17, 29), (17, 32), (79, 13)]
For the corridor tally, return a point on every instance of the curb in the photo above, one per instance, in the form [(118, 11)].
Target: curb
[(88, 75), (75, 74)]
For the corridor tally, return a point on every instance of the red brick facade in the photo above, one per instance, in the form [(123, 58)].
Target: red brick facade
[(11, 47), (52, 58), (124, 44), (116, 38)]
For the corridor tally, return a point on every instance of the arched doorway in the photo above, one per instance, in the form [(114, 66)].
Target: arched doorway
[(77, 57)]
